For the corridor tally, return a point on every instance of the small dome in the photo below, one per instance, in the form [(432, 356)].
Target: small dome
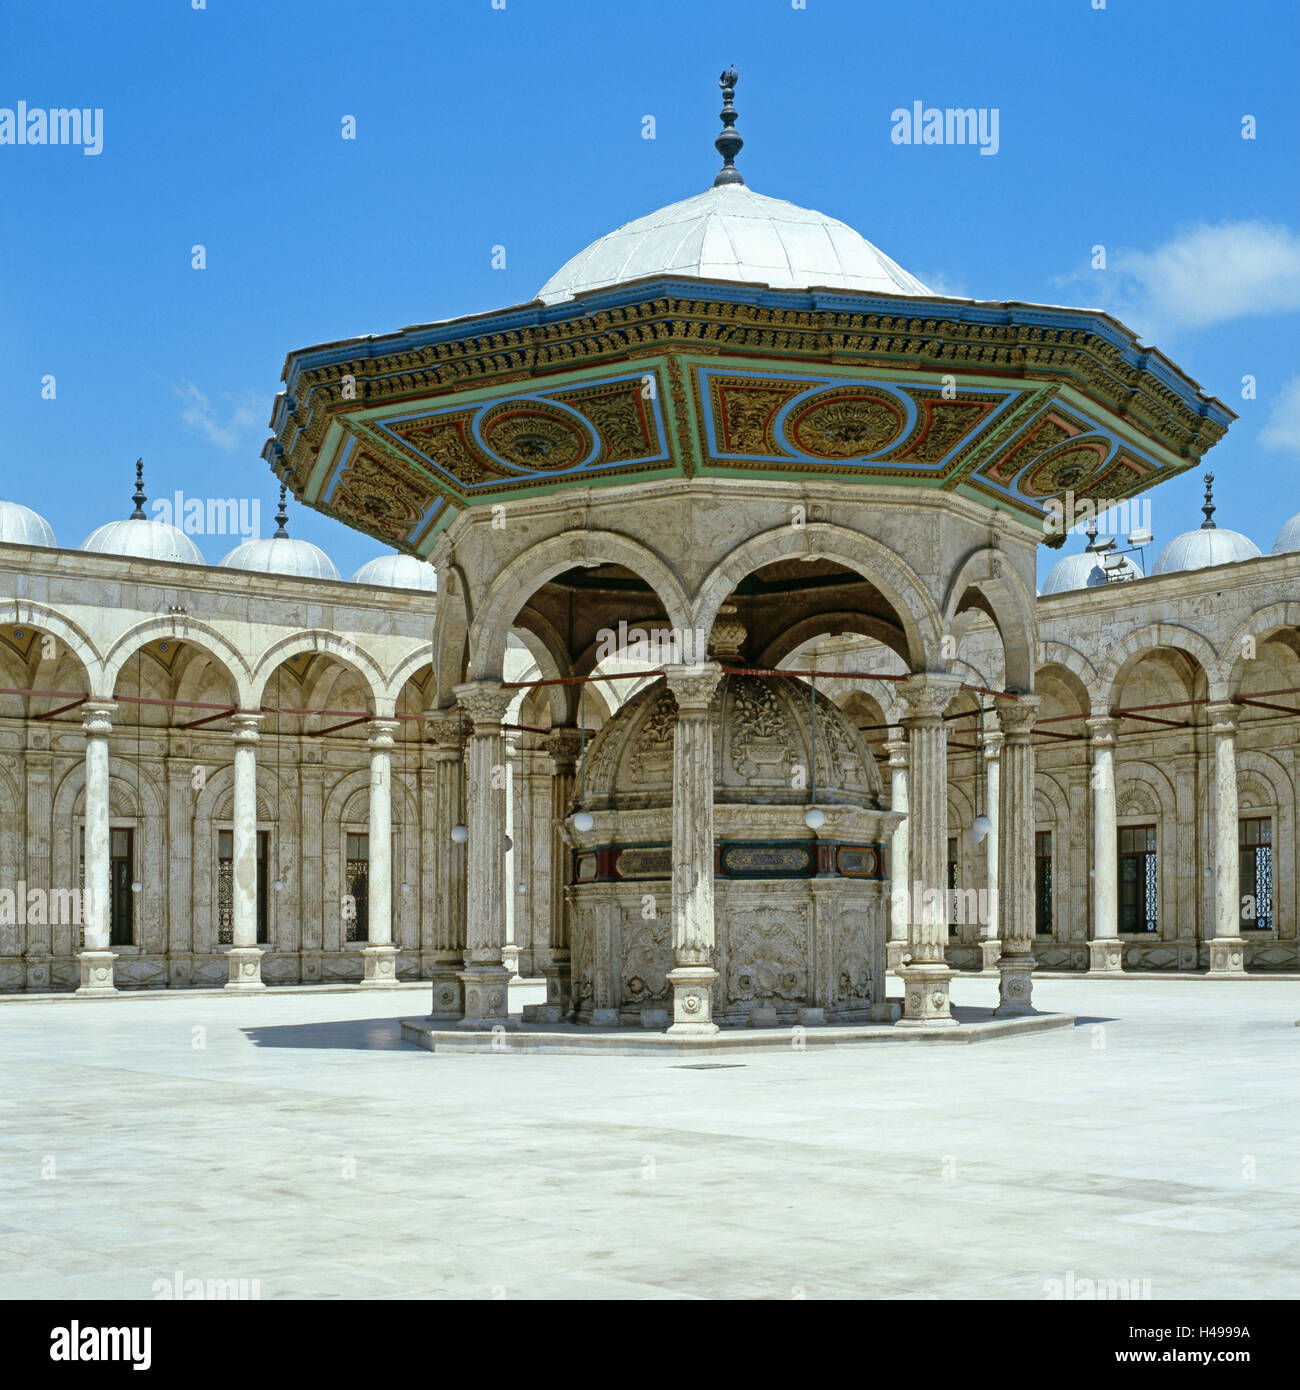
[(1204, 548), (281, 555), (20, 525), (762, 733), (144, 540), (1288, 538), (398, 572), (1086, 571), (732, 233)]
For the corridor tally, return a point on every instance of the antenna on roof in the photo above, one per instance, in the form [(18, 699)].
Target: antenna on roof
[(138, 496), (281, 518), (728, 144)]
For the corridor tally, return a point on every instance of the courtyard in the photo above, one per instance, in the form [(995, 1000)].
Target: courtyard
[(291, 1140)]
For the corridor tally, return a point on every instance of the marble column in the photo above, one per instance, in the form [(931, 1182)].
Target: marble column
[(96, 959), (1016, 856), (379, 956), (38, 774), (990, 942), (532, 819), (1227, 949), (564, 747), (486, 980), (926, 980), (693, 977), (1105, 954), (447, 954), (900, 877), (245, 957)]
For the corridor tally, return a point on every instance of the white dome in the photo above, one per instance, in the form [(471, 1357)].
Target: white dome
[(1288, 538), (1084, 571), (1203, 548), (733, 233), (144, 540), (20, 525), (398, 572), (282, 555)]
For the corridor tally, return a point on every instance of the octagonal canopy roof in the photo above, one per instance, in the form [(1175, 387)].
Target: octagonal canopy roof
[(732, 233)]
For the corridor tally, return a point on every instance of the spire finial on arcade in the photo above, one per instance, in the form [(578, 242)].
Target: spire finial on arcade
[(1209, 507), (728, 144), (282, 517), (138, 496)]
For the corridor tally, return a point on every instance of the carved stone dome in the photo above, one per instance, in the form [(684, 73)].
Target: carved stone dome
[(762, 748)]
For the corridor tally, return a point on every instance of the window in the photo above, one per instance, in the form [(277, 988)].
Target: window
[(1043, 883), (121, 874), (1255, 858), (356, 889), (1137, 878), (952, 885), (226, 887)]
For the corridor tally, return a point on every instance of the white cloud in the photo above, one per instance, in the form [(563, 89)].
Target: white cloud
[(1204, 275), (1282, 429), (238, 426)]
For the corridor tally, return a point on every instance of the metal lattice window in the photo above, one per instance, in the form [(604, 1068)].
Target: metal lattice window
[(356, 889), (1138, 879), (226, 887), (1255, 864), (1043, 883)]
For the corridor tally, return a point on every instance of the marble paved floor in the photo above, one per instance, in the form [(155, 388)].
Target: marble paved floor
[(303, 1146)]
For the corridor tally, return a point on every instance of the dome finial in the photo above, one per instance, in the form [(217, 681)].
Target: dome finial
[(1091, 534), (1209, 507), (282, 517), (138, 496), (728, 144)]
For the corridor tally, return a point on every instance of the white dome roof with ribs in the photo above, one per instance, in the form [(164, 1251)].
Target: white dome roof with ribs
[(398, 572), (1288, 538), (732, 233), (20, 525), (144, 540), (282, 555), (1201, 549)]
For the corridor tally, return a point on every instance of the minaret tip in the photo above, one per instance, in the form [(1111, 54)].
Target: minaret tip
[(728, 144)]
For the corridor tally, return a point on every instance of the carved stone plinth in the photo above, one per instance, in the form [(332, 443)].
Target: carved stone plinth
[(245, 966), (692, 1000), (896, 954), (990, 954), (96, 974), (379, 966), (1105, 957), (487, 997), (557, 972), (1227, 957), (925, 997), (1016, 989), (447, 994)]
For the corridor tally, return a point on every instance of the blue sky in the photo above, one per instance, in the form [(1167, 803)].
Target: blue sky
[(522, 127)]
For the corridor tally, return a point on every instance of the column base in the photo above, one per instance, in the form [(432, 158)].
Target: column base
[(895, 952), (1105, 956), (1017, 989), (379, 967), (487, 998), (692, 1000), (245, 964), (925, 996), (510, 960), (990, 954), (1227, 957), (96, 974), (559, 1004), (448, 1005)]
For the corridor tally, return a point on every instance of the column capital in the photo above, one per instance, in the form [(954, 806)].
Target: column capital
[(1102, 729), (563, 746), (927, 694), (448, 726), (379, 733), (245, 726), (486, 703), (897, 750), (993, 741), (693, 687), (1017, 716), (1224, 717), (97, 718)]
